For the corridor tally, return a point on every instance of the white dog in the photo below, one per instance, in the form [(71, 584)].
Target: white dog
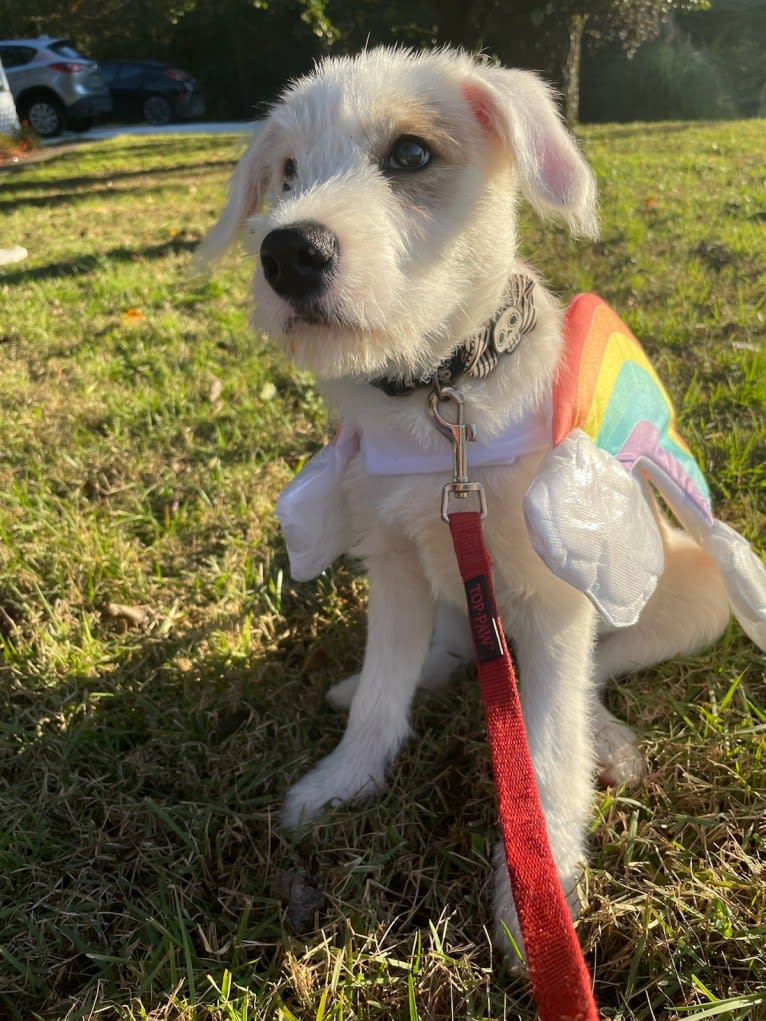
[(381, 197)]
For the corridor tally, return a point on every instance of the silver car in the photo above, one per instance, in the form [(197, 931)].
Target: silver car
[(54, 86)]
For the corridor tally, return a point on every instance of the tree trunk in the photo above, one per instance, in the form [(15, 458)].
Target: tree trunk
[(571, 70)]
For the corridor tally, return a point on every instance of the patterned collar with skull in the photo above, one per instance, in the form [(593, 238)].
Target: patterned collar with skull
[(479, 354)]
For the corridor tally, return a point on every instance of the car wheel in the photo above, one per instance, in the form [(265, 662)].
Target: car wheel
[(157, 110), (45, 115)]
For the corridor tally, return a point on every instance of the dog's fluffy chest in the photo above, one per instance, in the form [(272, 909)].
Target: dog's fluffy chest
[(394, 511)]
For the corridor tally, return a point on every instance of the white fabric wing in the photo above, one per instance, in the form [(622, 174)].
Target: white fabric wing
[(744, 577), (589, 521), (312, 509)]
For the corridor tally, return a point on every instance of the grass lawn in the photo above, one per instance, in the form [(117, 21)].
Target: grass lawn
[(162, 679)]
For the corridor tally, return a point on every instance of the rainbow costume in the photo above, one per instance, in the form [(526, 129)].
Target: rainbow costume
[(609, 435), (589, 509)]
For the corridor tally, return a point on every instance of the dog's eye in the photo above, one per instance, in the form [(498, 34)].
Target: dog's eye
[(289, 171), (407, 153)]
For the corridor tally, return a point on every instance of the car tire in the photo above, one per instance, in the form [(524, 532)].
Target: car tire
[(157, 110), (44, 113)]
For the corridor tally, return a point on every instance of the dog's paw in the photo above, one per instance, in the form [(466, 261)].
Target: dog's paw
[(507, 931), (619, 759), (341, 695), (506, 934), (337, 779)]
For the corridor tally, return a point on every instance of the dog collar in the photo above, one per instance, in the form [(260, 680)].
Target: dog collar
[(479, 354)]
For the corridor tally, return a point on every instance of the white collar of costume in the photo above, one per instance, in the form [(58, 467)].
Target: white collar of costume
[(396, 452)]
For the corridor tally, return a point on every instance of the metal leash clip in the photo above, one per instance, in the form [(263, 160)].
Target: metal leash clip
[(460, 435)]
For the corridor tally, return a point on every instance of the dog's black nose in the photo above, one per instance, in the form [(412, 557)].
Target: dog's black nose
[(297, 261)]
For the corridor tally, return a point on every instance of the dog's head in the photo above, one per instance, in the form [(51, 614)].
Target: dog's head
[(379, 196)]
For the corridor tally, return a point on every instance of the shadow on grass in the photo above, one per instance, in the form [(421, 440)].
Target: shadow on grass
[(140, 843), (59, 189), (597, 130), (85, 264), (141, 848)]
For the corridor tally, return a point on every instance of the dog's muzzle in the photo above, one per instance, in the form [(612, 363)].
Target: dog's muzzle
[(298, 261)]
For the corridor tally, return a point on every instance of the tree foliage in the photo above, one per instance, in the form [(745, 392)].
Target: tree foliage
[(733, 33), (565, 24), (242, 50)]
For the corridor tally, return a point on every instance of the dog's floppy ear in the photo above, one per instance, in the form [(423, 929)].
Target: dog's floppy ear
[(517, 108), (246, 192)]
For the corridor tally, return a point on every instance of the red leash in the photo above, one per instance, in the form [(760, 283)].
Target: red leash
[(560, 981)]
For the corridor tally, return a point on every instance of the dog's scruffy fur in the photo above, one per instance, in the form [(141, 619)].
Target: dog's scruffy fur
[(410, 166)]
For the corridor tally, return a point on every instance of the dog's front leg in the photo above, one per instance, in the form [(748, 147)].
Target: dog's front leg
[(554, 649), (450, 649), (401, 618)]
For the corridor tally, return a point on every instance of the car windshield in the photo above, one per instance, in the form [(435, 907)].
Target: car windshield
[(66, 48)]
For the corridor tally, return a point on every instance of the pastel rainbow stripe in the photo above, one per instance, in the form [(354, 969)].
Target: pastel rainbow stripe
[(608, 388)]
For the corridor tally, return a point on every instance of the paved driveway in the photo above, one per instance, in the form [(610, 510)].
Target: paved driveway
[(191, 128)]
